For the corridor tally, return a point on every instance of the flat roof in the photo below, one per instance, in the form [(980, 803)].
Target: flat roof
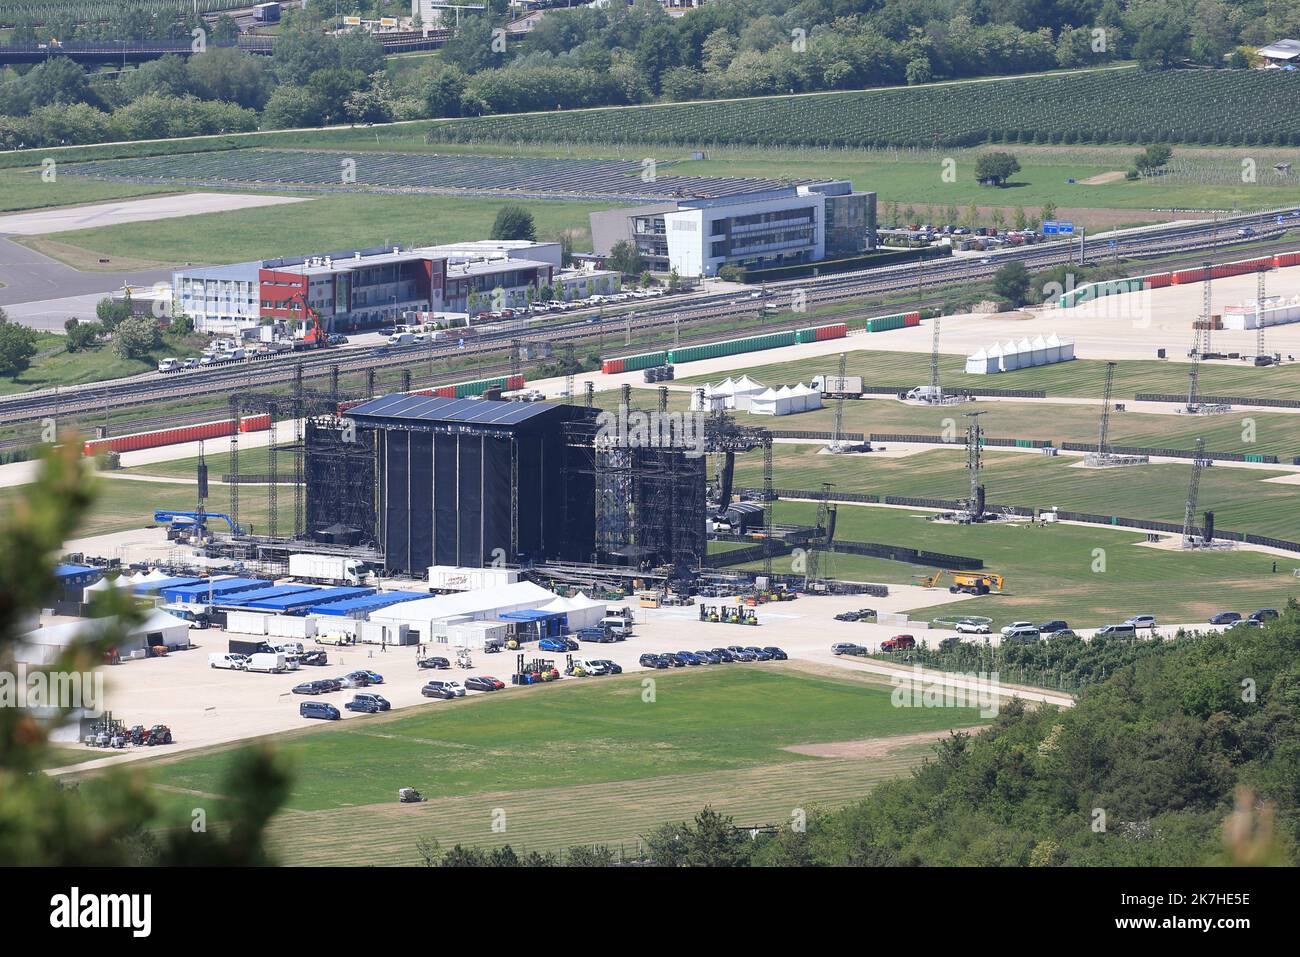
[(307, 599), (271, 591), (217, 586), (160, 584), (68, 571), (432, 408), (366, 602)]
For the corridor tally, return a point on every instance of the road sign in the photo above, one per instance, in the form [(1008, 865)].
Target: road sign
[(1065, 228), (1051, 228), (1112, 244)]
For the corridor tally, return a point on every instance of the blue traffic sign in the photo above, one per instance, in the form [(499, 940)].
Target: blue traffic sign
[(1050, 228), (1066, 227)]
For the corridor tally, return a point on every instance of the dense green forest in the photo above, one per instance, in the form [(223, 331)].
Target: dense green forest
[(592, 57)]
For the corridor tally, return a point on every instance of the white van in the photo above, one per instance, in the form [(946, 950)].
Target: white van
[(266, 663), (169, 365), (288, 647), (401, 339), (617, 625), (232, 662)]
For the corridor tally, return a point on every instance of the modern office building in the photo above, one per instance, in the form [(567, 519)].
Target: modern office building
[(781, 226), (366, 288)]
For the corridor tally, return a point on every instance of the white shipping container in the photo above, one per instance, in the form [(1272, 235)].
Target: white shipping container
[(451, 578), (290, 626), (246, 623), (478, 635)]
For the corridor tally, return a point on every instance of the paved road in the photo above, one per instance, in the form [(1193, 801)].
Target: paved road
[(37, 289)]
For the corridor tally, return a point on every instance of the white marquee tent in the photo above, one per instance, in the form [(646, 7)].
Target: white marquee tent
[(486, 604), (44, 645)]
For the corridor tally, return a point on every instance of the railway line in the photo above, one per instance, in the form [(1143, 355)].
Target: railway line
[(1201, 241)]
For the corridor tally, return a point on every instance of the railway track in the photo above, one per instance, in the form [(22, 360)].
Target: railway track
[(1201, 242)]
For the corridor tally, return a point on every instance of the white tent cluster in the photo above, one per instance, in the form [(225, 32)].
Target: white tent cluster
[(728, 394), (1010, 355), (1277, 311), (583, 612), (786, 400)]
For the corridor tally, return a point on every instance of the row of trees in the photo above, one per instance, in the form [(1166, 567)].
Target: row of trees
[(593, 57)]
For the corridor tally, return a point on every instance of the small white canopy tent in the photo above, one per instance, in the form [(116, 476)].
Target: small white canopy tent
[(1052, 348), (1010, 356), (743, 391), (1025, 350), (104, 584), (981, 363), (809, 398), (764, 403), (1039, 348)]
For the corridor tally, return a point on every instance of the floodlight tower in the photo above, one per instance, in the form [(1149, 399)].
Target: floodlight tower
[(1207, 327), (1103, 433), (974, 434), (1193, 491), (1259, 311), (839, 404), (934, 360)]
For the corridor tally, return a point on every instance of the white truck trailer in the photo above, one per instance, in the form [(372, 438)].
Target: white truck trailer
[(330, 569)]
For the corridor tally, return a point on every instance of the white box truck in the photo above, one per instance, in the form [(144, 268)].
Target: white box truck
[(834, 386), (452, 578), (331, 569), (266, 663)]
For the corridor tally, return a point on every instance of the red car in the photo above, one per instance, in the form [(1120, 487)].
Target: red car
[(898, 643)]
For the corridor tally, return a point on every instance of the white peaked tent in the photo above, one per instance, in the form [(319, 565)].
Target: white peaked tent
[(764, 403), (1067, 350), (1010, 356), (104, 584), (808, 398), (981, 363), (1052, 348), (743, 391), (1025, 353), (581, 610), (1034, 350), (994, 356), (154, 576), (702, 401), (1040, 351)]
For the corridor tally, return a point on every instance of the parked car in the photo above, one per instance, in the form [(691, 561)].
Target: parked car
[(1053, 626), (949, 643), (456, 687), (686, 658), (355, 680), (369, 703), (1263, 614), (1141, 621), (758, 653), (1022, 631), (1225, 618), (846, 648), (1062, 634), (553, 644), (651, 661), (898, 643), (709, 657), (1116, 631), (776, 653), (600, 635), (610, 667), (319, 709), (483, 683), (309, 687), (434, 662), (437, 689), (740, 653), (1246, 623), (724, 656), (1016, 625), (313, 658), (964, 627)]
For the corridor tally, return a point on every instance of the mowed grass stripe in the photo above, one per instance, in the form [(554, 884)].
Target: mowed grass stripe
[(552, 819)]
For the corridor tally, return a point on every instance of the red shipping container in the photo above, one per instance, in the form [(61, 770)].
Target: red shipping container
[(611, 366), (446, 392)]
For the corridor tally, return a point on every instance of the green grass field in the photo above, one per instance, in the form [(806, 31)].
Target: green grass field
[(1083, 378), (326, 223), (1240, 498), (575, 763), (125, 504), (24, 190), (55, 366), (1050, 571)]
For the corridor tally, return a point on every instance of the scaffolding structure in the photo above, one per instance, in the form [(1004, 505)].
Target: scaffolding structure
[(1104, 457)]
